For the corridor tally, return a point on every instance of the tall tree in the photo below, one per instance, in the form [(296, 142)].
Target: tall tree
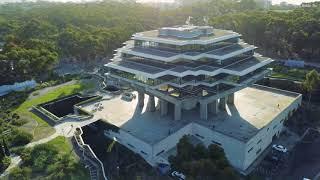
[(311, 82)]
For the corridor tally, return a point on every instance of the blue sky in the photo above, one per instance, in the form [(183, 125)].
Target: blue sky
[(273, 1)]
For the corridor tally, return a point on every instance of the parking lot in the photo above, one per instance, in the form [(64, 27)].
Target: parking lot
[(301, 161), (275, 162)]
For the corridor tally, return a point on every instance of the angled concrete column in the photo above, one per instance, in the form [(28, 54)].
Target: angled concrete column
[(177, 111), (204, 111), (213, 107), (151, 104), (140, 99), (163, 107), (230, 98), (222, 103)]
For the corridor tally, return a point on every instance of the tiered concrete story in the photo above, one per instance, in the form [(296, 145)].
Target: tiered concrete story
[(190, 78)]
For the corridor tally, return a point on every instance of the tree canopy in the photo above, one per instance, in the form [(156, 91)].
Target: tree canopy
[(35, 36), (199, 162)]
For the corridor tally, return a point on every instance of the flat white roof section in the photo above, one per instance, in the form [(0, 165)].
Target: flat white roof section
[(255, 107), (186, 31), (217, 35)]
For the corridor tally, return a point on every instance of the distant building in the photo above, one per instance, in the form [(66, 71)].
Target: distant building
[(162, 5), (6, 89), (265, 4), (198, 81), (310, 4), (188, 2), (294, 63)]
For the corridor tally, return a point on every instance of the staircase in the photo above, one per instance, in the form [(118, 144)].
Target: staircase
[(88, 157)]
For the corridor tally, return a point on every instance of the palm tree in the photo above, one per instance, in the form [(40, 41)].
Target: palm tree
[(311, 82)]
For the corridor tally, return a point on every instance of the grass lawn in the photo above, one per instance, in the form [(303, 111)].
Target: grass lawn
[(38, 126), (291, 74), (64, 146), (285, 76)]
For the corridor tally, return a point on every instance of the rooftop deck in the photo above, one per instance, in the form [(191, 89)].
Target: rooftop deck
[(216, 34), (254, 108)]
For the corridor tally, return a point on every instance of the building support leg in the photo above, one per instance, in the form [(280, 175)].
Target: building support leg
[(203, 111), (222, 103), (213, 107), (177, 111), (151, 104), (140, 99), (231, 98), (163, 107)]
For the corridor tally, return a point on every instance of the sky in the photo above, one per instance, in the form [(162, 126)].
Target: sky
[(297, 2)]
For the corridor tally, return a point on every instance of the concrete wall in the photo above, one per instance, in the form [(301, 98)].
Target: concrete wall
[(232, 147), (171, 141), (133, 143)]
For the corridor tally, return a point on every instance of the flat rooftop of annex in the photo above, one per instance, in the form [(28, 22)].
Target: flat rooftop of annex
[(255, 107)]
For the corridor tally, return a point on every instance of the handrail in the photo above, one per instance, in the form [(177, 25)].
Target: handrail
[(83, 145)]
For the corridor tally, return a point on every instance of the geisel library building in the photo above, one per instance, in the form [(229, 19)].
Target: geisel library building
[(197, 81)]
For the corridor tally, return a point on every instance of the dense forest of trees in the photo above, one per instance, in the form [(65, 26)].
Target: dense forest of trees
[(294, 34), (37, 35)]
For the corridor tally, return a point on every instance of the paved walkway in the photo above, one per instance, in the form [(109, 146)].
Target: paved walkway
[(15, 161)]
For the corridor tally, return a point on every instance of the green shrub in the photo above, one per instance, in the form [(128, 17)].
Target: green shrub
[(18, 122), (20, 138), (6, 162), (17, 150), (35, 93), (20, 173), (41, 156)]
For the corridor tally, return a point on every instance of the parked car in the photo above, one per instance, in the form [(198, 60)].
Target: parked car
[(178, 175), (127, 96), (279, 148)]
